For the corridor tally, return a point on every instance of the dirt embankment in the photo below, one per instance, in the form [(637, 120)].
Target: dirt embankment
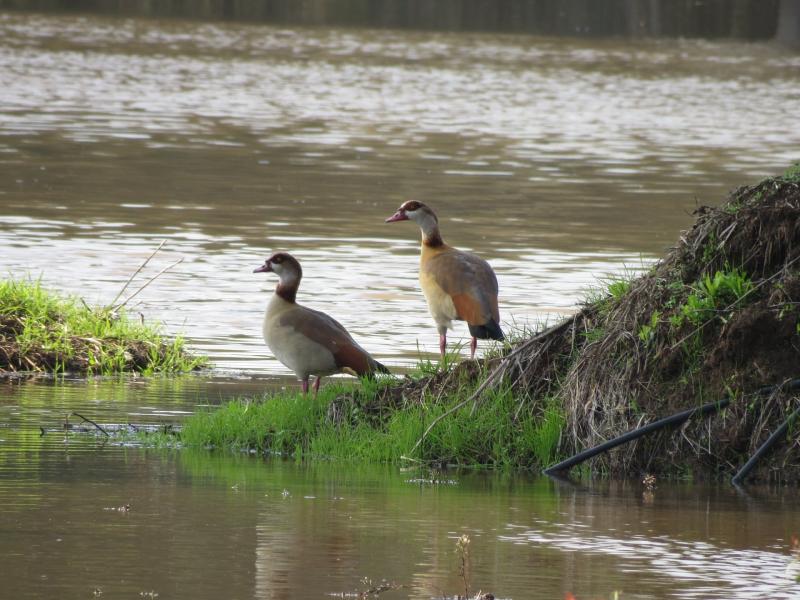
[(75, 358), (718, 315)]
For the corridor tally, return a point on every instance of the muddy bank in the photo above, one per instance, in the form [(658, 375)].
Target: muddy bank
[(716, 317)]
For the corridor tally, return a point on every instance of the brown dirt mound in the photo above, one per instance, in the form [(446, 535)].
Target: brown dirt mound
[(632, 375)]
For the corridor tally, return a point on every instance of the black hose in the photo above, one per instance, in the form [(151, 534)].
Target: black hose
[(636, 433), (675, 419), (763, 448)]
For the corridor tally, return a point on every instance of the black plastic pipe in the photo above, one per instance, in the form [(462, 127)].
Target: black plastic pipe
[(675, 419), (763, 448)]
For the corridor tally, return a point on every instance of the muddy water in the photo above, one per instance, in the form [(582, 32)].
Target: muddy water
[(215, 525), (558, 160)]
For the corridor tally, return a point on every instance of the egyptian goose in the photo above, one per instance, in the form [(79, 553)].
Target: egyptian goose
[(307, 341), (457, 285)]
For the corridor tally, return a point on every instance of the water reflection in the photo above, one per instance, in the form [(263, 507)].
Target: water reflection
[(236, 526), (557, 160)]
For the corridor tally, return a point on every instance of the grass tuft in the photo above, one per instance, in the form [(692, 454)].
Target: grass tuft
[(792, 174), (346, 422), (41, 331)]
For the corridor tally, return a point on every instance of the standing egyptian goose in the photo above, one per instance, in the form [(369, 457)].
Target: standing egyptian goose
[(457, 285), (307, 341)]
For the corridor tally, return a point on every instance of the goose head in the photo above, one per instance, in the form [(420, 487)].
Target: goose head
[(414, 210), (423, 216), (288, 270)]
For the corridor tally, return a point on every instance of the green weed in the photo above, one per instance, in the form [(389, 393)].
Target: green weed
[(611, 289), (727, 286), (647, 331), (725, 289), (793, 173), (617, 288)]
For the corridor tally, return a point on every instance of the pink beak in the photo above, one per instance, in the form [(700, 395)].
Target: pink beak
[(400, 215), (265, 268)]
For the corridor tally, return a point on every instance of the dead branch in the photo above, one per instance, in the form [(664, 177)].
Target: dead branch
[(92, 422)]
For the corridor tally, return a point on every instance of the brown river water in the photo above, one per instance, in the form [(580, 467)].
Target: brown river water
[(560, 161)]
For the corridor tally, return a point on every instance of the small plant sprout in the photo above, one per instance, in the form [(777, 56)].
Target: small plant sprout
[(462, 549), (648, 330)]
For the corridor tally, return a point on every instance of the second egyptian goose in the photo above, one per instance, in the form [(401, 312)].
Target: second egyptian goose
[(457, 285), (307, 341)]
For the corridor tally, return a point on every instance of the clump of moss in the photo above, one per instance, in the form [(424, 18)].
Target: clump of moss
[(41, 331)]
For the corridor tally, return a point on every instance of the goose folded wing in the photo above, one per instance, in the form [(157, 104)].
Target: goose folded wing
[(329, 333), (470, 282)]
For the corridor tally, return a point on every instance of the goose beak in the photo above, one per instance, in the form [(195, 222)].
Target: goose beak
[(265, 268), (400, 215)]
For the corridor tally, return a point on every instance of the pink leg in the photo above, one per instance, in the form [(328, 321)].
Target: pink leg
[(304, 383), (442, 343), (316, 386), (472, 347)]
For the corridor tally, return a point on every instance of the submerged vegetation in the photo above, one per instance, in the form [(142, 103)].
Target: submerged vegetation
[(41, 331), (718, 316)]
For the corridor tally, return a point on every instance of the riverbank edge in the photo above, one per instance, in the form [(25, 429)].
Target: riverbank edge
[(716, 318), (43, 331)]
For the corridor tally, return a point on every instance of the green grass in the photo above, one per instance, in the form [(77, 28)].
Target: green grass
[(291, 424), (611, 289), (793, 173), (44, 331)]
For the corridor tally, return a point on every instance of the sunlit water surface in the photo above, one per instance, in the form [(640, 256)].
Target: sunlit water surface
[(559, 161)]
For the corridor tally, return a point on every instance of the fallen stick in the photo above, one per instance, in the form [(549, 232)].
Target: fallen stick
[(92, 422)]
